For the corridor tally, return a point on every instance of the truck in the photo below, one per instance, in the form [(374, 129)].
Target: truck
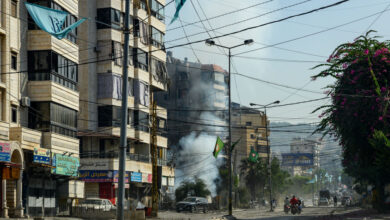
[(324, 198)]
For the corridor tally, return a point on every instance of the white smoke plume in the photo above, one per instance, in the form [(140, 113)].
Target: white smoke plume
[(195, 159)]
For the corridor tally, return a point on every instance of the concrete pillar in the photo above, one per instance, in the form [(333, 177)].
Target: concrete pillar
[(19, 203), (4, 198)]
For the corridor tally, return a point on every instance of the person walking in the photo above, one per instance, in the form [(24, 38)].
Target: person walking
[(335, 201)]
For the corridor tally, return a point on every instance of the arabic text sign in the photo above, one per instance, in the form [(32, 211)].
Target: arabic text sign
[(101, 176), (297, 159), (66, 165), (96, 175), (136, 177), (42, 156), (5, 152)]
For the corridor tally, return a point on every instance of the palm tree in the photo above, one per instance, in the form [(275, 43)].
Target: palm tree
[(254, 173)]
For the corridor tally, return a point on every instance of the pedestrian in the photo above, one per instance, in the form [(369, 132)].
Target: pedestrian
[(335, 201)]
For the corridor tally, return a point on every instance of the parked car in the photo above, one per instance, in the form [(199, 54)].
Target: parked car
[(323, 201), (96, 204), (193, 204)]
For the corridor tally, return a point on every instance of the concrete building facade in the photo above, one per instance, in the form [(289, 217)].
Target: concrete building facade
[(39, 97), (304, 156), (248, 125), (196, 100), (101, 93)]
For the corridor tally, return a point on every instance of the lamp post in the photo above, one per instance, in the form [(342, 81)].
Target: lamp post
[(211, 42), (268, 148)]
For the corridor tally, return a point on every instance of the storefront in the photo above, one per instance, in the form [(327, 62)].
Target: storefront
[(102, 183), (48, 178), (11, 161)]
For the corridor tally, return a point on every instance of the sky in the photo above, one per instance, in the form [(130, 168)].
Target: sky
[(274, 64)]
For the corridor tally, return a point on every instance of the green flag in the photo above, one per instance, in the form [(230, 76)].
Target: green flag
[(234, 144), (253, 155), (218, 147)]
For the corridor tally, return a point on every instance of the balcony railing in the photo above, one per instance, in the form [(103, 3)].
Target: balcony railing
[(129, 156)]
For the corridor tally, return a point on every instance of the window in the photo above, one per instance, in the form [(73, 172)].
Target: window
[(14, 114), (108, 18), (219, 77), (140, 59), (262, 149), (117, 53), (14, 8), (248, 123), (53, 117), (157, 38), (141, 121), (253, 136), (102, 148), (14, 61), (157, 10), (110, 116), (48, 65)]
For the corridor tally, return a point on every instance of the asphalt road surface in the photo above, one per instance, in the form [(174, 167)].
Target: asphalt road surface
[(317, 213)]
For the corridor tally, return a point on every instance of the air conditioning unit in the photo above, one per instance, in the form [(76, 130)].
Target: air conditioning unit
[(26, 101)]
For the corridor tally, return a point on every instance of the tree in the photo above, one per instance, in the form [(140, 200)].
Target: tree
[(298, 185), (358, 115), (279, 178), (254, 173), (196, 187)]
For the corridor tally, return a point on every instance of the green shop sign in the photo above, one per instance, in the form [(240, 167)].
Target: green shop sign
[(65, 165)]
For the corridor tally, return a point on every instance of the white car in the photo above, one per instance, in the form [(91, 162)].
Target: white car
[(323, 201), (97, 204)]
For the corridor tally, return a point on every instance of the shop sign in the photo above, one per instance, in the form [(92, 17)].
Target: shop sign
[(96, 175), (116, 176), (5, 152), (101, 176), (42, 156), (146, 178), (136, 177), (65, 165)]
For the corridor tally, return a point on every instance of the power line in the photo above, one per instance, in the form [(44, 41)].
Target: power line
[(312, 34), (376, 19), (238, 22)]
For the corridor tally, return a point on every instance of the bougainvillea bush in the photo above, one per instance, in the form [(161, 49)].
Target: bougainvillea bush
[(359, 114)]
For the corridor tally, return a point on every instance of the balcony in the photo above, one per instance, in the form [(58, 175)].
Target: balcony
[(59, 143), (40, 91), (28, 138), (40, 40), (70, 5)]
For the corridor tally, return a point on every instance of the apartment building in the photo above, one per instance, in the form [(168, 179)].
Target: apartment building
[(100, 85), (39, 154), (248, 125), (194, 87), (304, 156)]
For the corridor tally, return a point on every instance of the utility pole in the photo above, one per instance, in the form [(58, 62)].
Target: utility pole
[(268, 149), (153, 121), (210, 42), (268, 159), (123, 130)]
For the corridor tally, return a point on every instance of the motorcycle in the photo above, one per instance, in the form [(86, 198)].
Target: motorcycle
[(295, 209), (286, 209)]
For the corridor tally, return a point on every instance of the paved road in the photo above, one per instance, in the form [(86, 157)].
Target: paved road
[(316, 213)]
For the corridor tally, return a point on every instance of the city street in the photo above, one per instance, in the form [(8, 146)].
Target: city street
[(308, 213)]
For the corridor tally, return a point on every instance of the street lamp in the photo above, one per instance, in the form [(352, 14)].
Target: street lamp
[(268, 148), (211, 42)]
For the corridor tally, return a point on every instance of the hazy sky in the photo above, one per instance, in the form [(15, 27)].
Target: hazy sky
[(311, 50)]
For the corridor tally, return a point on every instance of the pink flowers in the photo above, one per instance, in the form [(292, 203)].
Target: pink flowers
[(381, 51), (352, 72), (366, 52), (380, 118)]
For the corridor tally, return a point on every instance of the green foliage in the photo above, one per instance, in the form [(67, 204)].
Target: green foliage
[(298, 185), (193, 188), (279, 178), (359, 114)]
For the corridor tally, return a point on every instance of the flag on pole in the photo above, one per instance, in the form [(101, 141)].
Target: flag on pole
[(253, 156), (234, 144), (51, 20), (179, 4), (218, 147)]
